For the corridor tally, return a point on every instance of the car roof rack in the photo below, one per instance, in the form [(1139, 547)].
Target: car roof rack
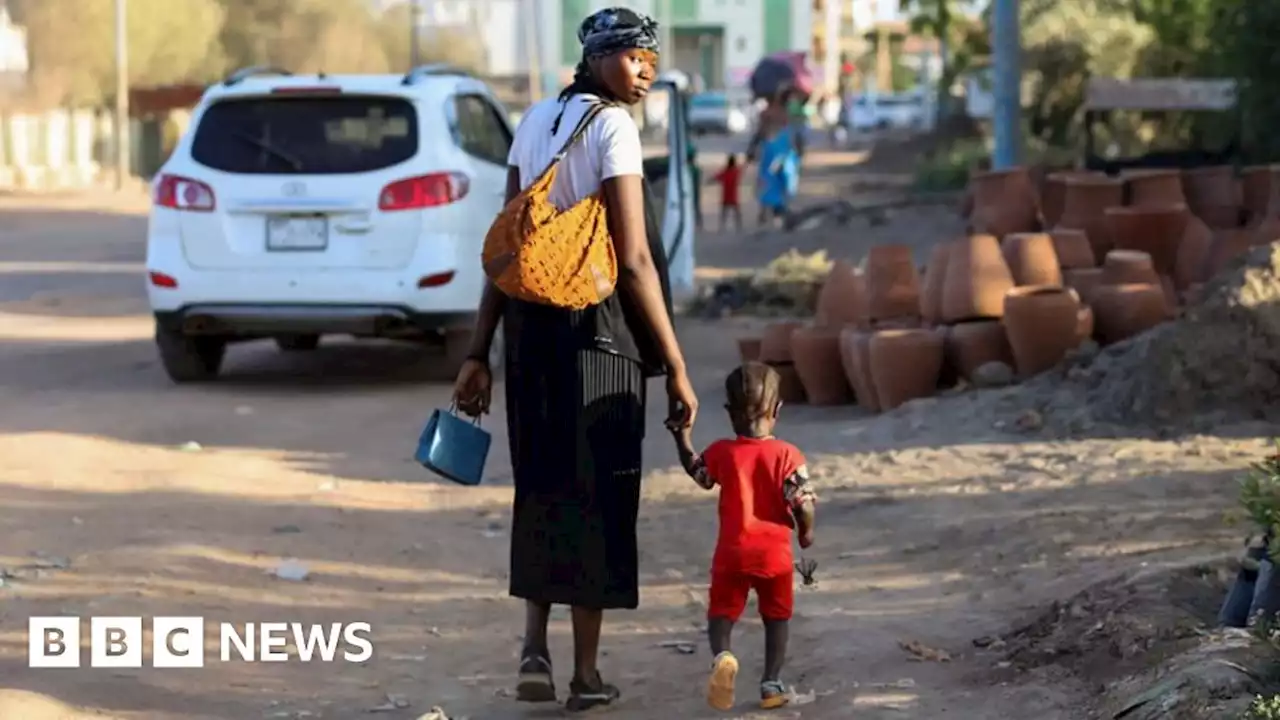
[(432, 70), (246, 73)]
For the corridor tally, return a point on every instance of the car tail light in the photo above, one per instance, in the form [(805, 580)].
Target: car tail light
[(424, 191), (180, 193)]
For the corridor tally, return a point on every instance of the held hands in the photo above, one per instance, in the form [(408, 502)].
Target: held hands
[(473, 389)]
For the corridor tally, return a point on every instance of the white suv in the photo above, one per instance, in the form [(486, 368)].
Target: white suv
[(303, 205)]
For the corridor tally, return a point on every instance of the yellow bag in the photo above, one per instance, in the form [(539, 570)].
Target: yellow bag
[(538, 253)]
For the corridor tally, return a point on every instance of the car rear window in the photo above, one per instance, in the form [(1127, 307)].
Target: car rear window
[(306, 135)]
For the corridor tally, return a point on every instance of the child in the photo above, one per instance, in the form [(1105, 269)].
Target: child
[(729, 178), (764, 493)]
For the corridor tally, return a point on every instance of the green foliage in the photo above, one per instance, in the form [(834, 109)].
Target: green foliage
[(1242, 45), (1263, 709), (949, 168), (1260, 496)]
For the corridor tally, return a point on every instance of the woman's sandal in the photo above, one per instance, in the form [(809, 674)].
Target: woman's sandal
[(535, 683), (586, 697), (773, 694)]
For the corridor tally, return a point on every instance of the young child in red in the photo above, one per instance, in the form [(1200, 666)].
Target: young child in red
[(764, 495), (729, 178)]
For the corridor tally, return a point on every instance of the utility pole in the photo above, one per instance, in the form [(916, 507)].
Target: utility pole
[(1006, 49), (123, 151), (415, 27), (664, 22), (532, 24)]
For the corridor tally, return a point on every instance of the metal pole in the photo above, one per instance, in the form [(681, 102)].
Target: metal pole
[(532, 23), (123, 152), (415, 24), (1006, 48)]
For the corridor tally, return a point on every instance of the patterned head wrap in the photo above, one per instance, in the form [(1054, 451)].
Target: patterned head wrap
[(616, 29)]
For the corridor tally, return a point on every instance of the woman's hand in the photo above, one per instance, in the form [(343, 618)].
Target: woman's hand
[(473, 389), (682, 404)]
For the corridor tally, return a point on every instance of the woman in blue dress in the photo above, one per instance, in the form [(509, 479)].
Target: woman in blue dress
[(779, 172)]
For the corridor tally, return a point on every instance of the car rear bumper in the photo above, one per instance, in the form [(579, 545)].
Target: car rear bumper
[(266, 319)]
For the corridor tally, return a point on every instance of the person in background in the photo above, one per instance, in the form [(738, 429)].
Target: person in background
[(778, 174), (729, 179), (695, 173)]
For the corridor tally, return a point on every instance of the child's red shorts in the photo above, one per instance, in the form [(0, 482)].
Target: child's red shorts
[(775, 595)]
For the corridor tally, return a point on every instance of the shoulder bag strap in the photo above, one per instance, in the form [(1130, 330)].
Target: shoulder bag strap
[(578, 132)]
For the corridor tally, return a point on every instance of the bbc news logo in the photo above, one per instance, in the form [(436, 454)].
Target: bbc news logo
[(179, 642)]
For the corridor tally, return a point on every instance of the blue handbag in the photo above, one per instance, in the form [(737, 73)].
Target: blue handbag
[(453, 447)]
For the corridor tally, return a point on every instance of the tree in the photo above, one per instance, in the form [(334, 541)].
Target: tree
[(72, 45), (303, 35)]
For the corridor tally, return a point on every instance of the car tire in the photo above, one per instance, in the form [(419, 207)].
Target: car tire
[(297, 343), (190, 358)]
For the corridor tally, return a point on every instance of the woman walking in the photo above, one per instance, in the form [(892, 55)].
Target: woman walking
[(575, 379), (779, 169)]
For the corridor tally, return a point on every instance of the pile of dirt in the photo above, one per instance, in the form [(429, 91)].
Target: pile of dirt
[(1221, 360)]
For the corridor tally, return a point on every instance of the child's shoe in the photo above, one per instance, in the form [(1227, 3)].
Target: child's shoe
[(724, 671), (773, 694)]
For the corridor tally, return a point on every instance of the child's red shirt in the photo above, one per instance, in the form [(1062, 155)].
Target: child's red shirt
[(760, 479), (728, 179)]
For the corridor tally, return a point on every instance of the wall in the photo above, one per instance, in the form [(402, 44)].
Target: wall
[(73, 149)]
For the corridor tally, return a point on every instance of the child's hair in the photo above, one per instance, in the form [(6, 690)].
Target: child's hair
[(733, 159), (752, 391)]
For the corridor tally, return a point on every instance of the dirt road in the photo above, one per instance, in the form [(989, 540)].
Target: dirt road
[(121, 494)]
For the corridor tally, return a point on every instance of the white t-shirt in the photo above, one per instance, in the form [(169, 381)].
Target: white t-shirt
[(609, 148)]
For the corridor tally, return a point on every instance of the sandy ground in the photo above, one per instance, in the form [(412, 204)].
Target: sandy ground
[(125, 495)]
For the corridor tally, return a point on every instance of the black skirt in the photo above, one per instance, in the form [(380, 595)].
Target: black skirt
[(575, 420)]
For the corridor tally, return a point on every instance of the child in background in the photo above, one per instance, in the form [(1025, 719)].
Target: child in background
[(764, 494), (729, 178)]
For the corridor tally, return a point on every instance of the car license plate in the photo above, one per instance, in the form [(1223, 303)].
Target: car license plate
[(294, 232)]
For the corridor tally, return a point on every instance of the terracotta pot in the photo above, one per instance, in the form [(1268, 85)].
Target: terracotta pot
[(1004, 201), (1073, 249), (1084, 281), (1053, 196), (1123, 267), (1153, 187), (1085, 205), (1213, 195), (893, 285), (1227, 246), (905, 365), (842, 296), (1122, 311), (1193, 295), (775, 343), (931, 289), (790, 389), (977, 279), (1266, 224), (749, 349), (1084, 324), (817, 360), (970, 345), (1156, 230), (906, 322), (855, 358), (1032, 259), (1041, 321), (1170, 296), (1256, 194), (1192, 263)]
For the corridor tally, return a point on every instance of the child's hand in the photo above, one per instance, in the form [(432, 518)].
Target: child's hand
[(806, 538)]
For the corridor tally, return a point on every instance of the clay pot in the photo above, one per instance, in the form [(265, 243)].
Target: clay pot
[(893, 285), (1227, 246), (1123, 267), (855, 358), (1213, 195), (749, 349), (1256, 190), (1193, 294), (1083, 280), (1032, 259), (841, 300), (906, 322), (1084, 324), (1041, 321), (977, 279), (1192, 264), (905, 365), (970, 345), (1122, 311), (1265, 227), (1004, 202), (817, 361), (790, 389), (1170, 296), (935, 275), (1156, 230), (1053, 195), (775, 343), (1153, 187), (1073, 249), (1085, 205)]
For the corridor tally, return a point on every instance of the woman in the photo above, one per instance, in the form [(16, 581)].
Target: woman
[(779, 166), (575, 380)]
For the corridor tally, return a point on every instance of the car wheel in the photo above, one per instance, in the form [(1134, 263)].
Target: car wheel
[(298, 343), (190, 358)]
